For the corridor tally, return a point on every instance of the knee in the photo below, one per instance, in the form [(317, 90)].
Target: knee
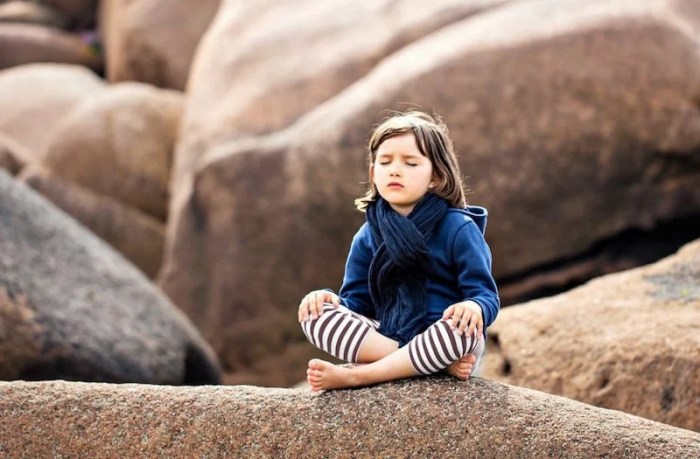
[(326, 313), (455, 344)]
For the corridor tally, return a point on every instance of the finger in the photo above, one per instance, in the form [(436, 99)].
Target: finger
[(335, 300), (320, 299), (462, 317), (300, 315), (479, 329), (464, 322), (448, 312), (313, 305), (303, 310), (456, 317), (472, 324), (309, 307)]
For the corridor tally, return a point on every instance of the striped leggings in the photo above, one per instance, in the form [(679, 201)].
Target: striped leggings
[(341, 332)]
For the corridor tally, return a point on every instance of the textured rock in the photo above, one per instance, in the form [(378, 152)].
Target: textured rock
[(627, 341), (574, 125), (433, 417), (263, 64), (134, 234), (27, 43), (35, 97), (153, 41), (81, 13), (72, 308), (120, 144), (12, 156), (32, 13)]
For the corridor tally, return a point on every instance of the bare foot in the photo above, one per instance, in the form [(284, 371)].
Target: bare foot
[(323, 375), (462, 368)]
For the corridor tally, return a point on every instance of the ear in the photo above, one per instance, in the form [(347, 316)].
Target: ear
[(371, 172)]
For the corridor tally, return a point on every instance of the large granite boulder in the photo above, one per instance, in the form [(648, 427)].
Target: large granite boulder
[(72, 308), (36, 97), (27, 43), (31, 13), (137, 236), (628, 341), (120, 144), (263, 64), (574, 126), (153, 41), (429, 417), (82, 14), (13, 157)]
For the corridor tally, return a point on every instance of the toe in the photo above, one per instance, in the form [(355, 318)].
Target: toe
[(314, 364), (318, 364)]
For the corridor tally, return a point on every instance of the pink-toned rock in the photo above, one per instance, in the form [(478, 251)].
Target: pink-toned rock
[(153, 41), (31, 13), (574, 125), (36, 97), (28, 43), (430, 417), (13, 157), (137, 236), (263, 64), (628, 341), (73, 308), (120, 143), (81, 13)]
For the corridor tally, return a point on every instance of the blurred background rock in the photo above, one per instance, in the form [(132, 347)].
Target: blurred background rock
[(218, 146)]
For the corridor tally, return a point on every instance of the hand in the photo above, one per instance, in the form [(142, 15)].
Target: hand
[(312, 304), (466, 314)]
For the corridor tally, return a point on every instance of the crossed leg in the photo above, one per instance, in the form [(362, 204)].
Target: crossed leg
[(377, 346), (358, 341)]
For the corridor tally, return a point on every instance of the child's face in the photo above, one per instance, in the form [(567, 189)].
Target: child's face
[(401, 173)]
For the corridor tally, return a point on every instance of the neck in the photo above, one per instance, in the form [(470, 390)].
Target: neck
[(402, 210)]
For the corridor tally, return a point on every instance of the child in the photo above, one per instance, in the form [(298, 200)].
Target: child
[(418, 292)]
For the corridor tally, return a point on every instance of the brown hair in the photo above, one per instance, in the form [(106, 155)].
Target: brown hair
[(433, 142)]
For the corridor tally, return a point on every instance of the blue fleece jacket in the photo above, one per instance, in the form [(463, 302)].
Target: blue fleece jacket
[(459, 267)]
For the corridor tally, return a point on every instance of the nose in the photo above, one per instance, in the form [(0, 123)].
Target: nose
[(394, 170)]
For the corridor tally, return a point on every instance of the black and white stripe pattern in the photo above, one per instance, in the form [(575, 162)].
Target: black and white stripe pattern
[(339, 331), (439, 346)]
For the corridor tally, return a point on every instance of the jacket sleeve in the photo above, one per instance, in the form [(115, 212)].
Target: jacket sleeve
[(473, 259), (354, 293)]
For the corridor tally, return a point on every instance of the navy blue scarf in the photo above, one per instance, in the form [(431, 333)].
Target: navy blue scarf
[(397, 273)]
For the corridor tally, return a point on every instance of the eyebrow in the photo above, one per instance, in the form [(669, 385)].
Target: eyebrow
[(403, 155)]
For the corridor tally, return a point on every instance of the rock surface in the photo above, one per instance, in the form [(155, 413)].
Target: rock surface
[(574, 126), (627, 341), (120, 144), (44, 94), (433, 417), (137, 236), (13, 157), (31, 13), (81, 13), (72, 308), (29, 43), (263, 64), (153, 41)]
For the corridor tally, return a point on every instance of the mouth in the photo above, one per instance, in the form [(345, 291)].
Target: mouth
[(394, 185)]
